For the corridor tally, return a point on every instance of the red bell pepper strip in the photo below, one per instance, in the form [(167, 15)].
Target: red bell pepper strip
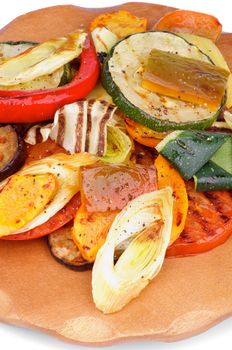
[(18, 106)]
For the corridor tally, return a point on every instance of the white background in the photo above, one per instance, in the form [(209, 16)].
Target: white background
[(218, 337)]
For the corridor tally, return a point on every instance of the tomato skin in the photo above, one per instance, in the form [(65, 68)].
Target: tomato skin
[(191, 22), (208, 223), (42, 150), (61, 218)]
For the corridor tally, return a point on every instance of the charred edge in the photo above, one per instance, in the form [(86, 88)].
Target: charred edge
[(216, 201), (61, 128), (107, 115), (81, 268), (89, 124), (203, 222), (79, 127)]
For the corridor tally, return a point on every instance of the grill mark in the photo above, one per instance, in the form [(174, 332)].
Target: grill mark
[(203, 222), (205, 225), (104, 120), (89, 124), (219, 130), (61, 128), (217, 203), (186, 237), (79, 128)]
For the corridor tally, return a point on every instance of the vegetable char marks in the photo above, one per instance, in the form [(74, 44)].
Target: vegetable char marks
[(208, 223), (82, 126)]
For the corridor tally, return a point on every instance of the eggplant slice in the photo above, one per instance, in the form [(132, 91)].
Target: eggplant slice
[(12, 151), (65, 251)]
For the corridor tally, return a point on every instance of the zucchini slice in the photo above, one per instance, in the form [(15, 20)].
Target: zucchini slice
[(217, 173), (189, 151), (212, 178), (122, 77), (59, 77)]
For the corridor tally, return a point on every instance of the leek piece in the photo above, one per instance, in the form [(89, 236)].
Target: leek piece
[(147, 221), (119, 146), (42, 59)]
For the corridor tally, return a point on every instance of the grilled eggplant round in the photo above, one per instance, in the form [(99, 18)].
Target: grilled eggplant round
[(12, 151), (65, 250)]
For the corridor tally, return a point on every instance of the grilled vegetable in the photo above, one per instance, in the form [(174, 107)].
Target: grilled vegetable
[(169, 177), (122, 78), (37, 105), (143, 155), (119, 146), (188, 151), (42, 150), (42, 59), (110, 187), (208, 47), (185, 78), (190, 22), (103, 40), (121, 23), (211, 50), (65, 168), (208, 223), (65, 250), (23, 198), (9, 49), (105, 190), (217, 173), (99, 93), (146, 222), (220, 127), (12, 151), (82, 126), (212, 177), (58, 220), (142, 134), (59, 77), (38, 133), (90, 230), (228, 118)]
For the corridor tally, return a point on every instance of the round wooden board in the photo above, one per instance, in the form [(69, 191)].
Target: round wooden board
[(188, 296)]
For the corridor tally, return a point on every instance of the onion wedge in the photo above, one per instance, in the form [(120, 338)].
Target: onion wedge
[(146, 223)]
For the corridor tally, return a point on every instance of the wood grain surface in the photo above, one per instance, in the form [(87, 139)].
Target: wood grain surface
[(188, 296)]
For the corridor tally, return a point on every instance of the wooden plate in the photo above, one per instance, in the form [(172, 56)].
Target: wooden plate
[(188, 296)]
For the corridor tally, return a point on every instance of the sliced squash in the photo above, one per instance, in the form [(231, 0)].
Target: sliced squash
[(23, 198), (90, 231), (121, 23), (168, 176), (143, 134)]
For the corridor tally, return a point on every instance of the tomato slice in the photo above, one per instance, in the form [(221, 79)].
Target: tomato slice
[(42, 150), (208, 223), (61, 218), (191, 22)]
